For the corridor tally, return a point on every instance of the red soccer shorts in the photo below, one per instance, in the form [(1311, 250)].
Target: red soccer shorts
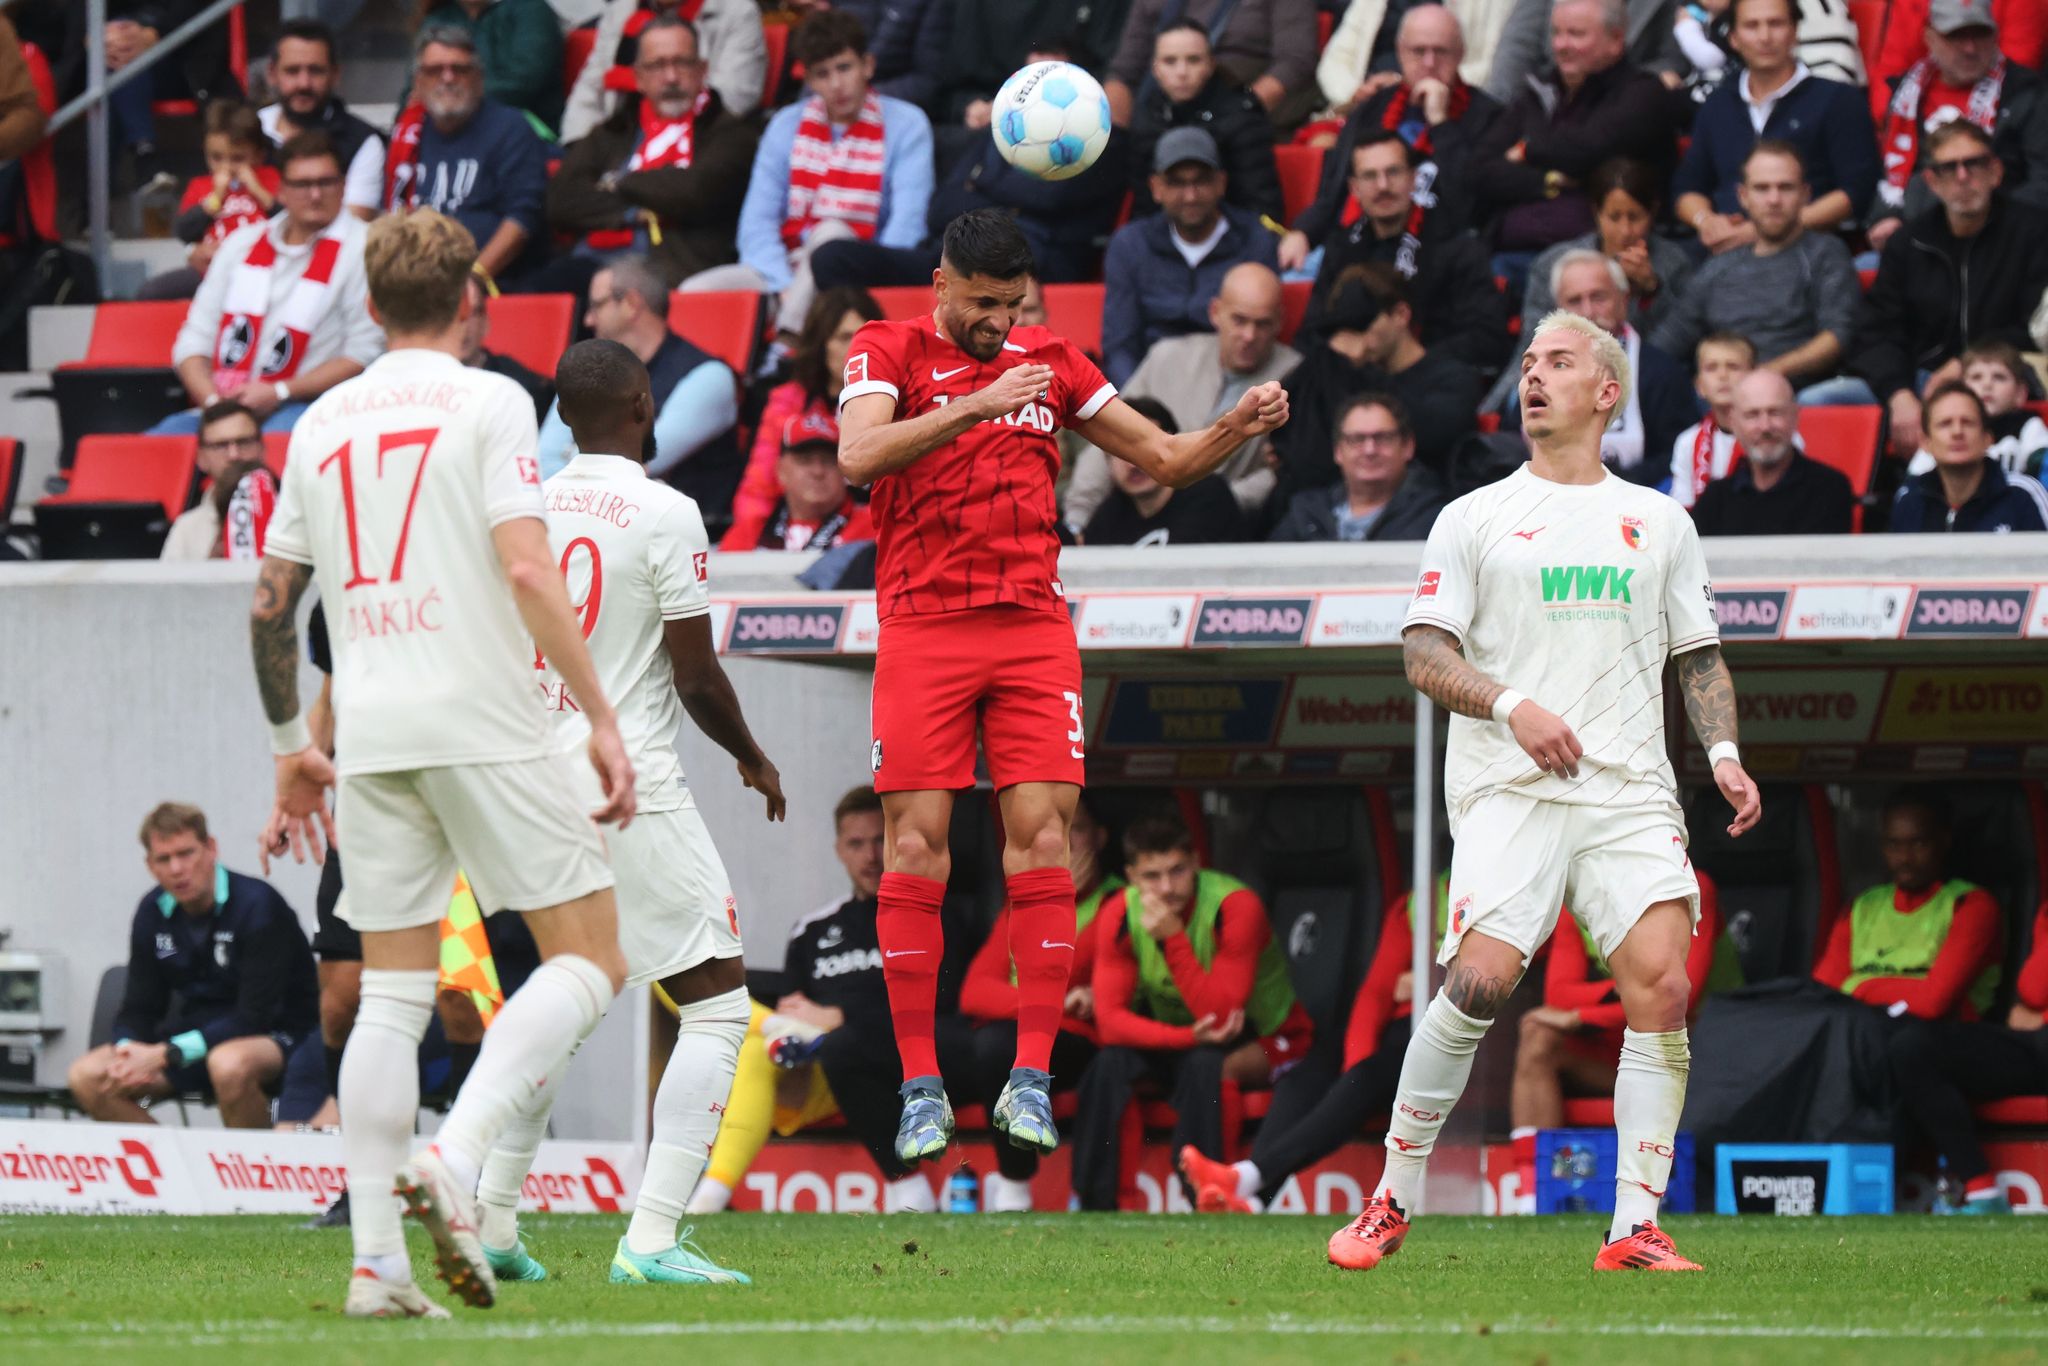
[(1015, 672)]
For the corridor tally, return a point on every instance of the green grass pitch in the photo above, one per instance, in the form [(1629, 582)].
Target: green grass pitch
[(1059, 1289)]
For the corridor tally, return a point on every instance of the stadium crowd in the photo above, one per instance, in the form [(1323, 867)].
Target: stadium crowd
[(1743, 186)]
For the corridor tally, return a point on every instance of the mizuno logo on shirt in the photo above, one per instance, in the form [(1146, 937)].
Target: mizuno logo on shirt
[(1586, 583)]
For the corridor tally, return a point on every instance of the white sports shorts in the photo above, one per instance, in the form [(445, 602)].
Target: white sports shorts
[(1518, 861), (676, 906), (518, 830)]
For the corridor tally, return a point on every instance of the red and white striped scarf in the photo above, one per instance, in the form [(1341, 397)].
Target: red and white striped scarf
[(401, 159), (1703, 472), (1901, 145), (663, 143), (841, 180), (235, 358)]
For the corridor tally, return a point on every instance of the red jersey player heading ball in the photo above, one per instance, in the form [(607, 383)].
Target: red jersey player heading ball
[(954, 420)]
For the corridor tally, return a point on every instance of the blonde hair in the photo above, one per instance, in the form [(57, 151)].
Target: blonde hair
[(171, 819), (419, 264), (1608, 354)]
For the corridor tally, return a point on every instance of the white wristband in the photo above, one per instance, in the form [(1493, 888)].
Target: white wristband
[(1504, 705), (1724, 751), (289, 737)]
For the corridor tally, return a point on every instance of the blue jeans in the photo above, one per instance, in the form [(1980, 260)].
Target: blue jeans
[(1842, 389), (187, 422)]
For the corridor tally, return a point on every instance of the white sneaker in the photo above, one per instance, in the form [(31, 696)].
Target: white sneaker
[(370, 1297), (448, 1212)]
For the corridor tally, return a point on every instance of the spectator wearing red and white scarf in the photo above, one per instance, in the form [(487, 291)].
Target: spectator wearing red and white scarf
[(1428, 104), (664, 174), (1965, 75), (1708, 450), (283, 313), (844, 162), (232, 520)]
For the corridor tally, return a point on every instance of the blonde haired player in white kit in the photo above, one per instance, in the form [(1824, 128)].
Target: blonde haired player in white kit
[(635, 556), (1577, 586), (413, 492)]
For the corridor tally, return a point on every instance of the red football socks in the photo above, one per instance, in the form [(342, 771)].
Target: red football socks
[(1042, 946), (913, 942)]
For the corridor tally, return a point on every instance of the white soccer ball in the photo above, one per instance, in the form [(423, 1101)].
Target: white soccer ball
[(1050, 120)]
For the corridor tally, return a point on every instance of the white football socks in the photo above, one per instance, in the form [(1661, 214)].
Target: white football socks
[(527, 1045), (710, 1197), (504, 1176), (1433, 1075), (687, 1108), (909, 1195), (1649, 1094), (1008, 1196), (380, 1100)]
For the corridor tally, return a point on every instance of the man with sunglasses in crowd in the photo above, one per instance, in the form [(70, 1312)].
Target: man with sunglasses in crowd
[(1968, 270)]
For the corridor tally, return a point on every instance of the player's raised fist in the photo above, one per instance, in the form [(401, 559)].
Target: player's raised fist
[(1012, 389), (1262, 408)]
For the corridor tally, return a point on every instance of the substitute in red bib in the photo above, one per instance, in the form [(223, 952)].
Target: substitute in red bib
[(954, 420)]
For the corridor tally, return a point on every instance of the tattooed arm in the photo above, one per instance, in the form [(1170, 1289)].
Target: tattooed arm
[(274, 635), (1439, 671), (299, 820), (1709, 694)]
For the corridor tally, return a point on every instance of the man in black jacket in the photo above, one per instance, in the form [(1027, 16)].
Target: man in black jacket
[(908, 40), (1187, 92), (1369, 345), (1776, 490), (663, 175), (1450, 286), (1969, 270), (1432, 110), (1383, 495), (304, 74), (1528, 169), (220, 986)]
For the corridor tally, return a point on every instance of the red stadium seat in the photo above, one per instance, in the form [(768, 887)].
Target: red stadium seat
[(1489, 423), (777, 38), (134, 469), (132, 336), (10, 476), (39, 165), (1868, 16), (726, 323), (125, 383), (1589, 1113), (275, 447), (1845, 438), (238, 63), (1073, 311), (576, 47), (1326, 24), (1300, 169), (900, 303), (1294, 307), (2029, 1112), (533, 329)]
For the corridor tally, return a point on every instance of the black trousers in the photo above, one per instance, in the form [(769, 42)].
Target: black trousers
[(1193, 1082), (1943, 1067), (870, 265), (1314, 1114), (862, 1067)]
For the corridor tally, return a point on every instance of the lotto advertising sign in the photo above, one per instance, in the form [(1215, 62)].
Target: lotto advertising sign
[(57, 1168)]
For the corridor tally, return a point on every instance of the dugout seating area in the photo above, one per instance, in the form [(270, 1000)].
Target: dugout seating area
[(1330, 864)]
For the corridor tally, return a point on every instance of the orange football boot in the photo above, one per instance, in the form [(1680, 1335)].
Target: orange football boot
[(1380, 1229), (1645, 1249)]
